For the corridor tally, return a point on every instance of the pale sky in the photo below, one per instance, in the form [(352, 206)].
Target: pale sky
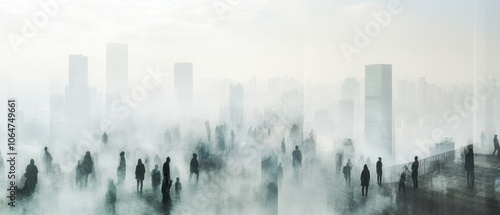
[(262, 38)]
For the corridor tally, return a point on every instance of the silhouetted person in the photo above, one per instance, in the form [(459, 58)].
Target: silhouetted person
[(496, 145), (139, 174), (297, 157), (469, 167), (402, 180), (105, 140), (122, 168), (79, 174), (47, 159), (155, 178), (111, 196), (339, 160), (365, 180), (279, 173), (347, 174), (379, 171), (146, 165), (193, 167), (166, 169), (87, 166), (178, 188), (31, 178), (283, 146), (414, 172)]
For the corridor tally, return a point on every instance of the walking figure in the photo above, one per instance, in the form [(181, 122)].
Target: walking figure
[(87, 167), (105, 140), (111, 196), (414, 172), (347, 174), (178, 188), (31, 178), (496, 145), (166, 170), (193, 167), (296, 161), (283, 146), (139, 174), (379, 171), (122, 168), (469, 167), (365, 180)]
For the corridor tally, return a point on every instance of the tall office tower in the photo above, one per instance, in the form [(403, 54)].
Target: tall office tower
[(77, 91), (116, 73), (422, 95), (183, 84), (378, 109), (236, 104)]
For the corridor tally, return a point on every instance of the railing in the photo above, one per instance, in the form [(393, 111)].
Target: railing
[(426, 165)]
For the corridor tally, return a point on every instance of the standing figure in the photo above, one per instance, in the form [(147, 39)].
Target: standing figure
[(47, 159), (339, 161), (157, 160), (296, 161), (193, 167), (347, 174), (166, 169), (414, 172), (31, 178), (165, 190), (79, 174), (122, 168), (87, 166), (469, 167), (146, 165), (496, 145), (139, 174), (155, 178), (365, 180), (483, 138), (178, 188), (402, 180), (379, 171), (111, 196)]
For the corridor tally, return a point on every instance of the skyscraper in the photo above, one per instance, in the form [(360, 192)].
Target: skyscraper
[(378, 109), (77, 92), (236, 104), (183, 84), (116, 72)]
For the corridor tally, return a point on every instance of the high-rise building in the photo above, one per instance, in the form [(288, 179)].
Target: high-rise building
[(77, 91), (236, 104), (183, 84), (378, 109), (422, 95), (116, 72)]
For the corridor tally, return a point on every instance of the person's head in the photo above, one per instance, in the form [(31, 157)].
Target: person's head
[(32, 162), (297, 147), (122, 154), (156, 166), (416, 158), (496, 136), (470, 150), (87, 154), (45, 148), (111, 182), (139, 161), (365, 167), (168, 159), (379, 158), (195, 155), (177, 179)]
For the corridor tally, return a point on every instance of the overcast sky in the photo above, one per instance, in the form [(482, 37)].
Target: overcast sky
[(246, 38)]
